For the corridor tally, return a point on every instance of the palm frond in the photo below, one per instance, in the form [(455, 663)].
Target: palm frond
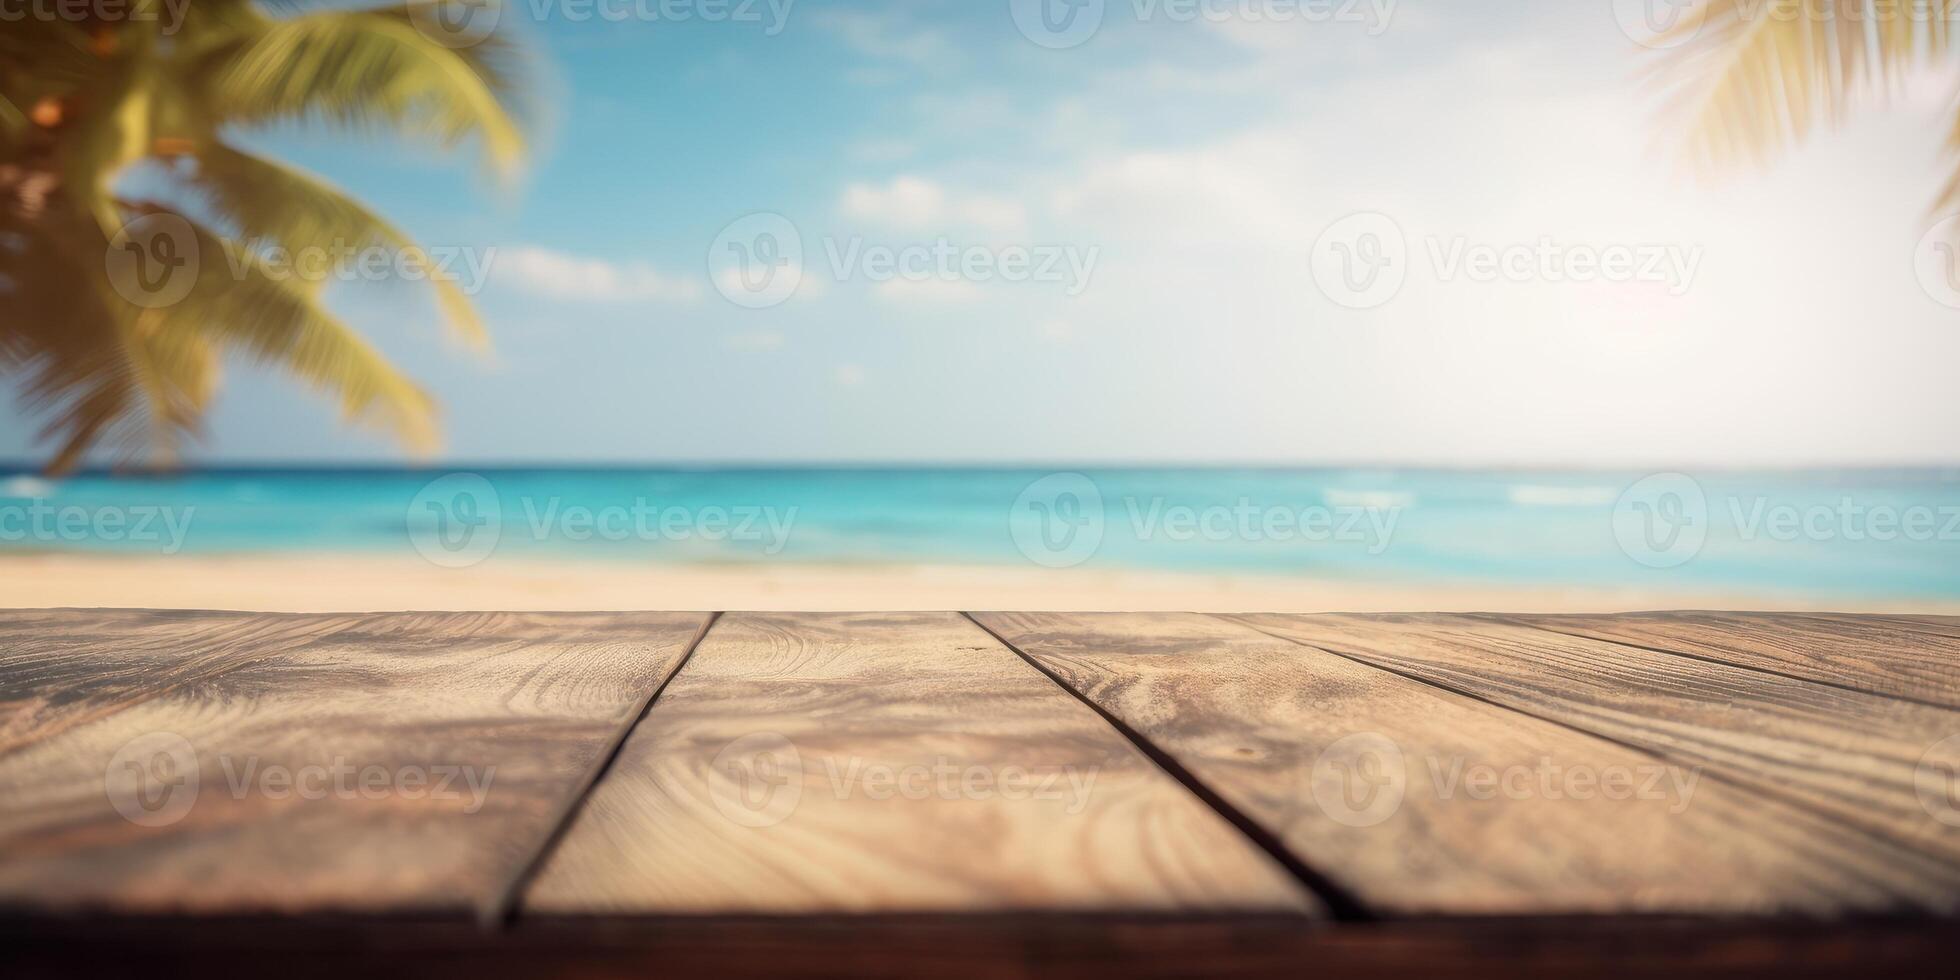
[(81, 109), (369, 70), (1752, 78), (264, 200), (241, 304)]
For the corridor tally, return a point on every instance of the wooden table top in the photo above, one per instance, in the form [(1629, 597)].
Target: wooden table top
[(980, 793)]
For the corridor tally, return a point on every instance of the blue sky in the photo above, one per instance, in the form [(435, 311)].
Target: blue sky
[(1197, 163)]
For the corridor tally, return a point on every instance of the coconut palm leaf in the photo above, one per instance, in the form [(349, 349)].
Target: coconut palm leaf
[(83, 108), (371, 71), (262, 200), (1753, 78)]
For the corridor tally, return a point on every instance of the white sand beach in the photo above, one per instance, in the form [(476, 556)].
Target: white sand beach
[(341, 583)]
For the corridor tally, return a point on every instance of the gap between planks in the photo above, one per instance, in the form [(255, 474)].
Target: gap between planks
[(500, 913), (1755, 783), (1543, 625), (1341, 904)]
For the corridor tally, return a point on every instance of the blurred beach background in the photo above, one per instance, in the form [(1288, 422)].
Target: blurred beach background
[(805, 538), (938, 304)]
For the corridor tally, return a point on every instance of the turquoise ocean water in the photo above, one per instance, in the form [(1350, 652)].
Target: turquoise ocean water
[(1860, 533)]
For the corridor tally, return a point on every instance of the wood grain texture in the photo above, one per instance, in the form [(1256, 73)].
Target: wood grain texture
[(1940, 626), (1847, 754), (1277, 729), (889, 763), (65, 667), (1866, 653), (429, 756)]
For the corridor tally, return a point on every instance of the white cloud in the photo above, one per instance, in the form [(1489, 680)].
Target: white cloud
[(848, 375), (913, 203), (884, 36), (563, 276)]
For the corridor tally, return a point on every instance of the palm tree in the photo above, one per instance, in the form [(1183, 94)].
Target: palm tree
[(1755, 77), (104, 122)]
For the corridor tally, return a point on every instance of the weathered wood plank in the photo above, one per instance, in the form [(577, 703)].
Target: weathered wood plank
[(65, 667), (1865, 653), (889, 763), (1943, 626), (401, 763), (1849, 754), (1287, 733)]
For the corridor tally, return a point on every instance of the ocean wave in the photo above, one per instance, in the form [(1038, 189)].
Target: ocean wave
[(1527, 495), (26, 488), (1377, 499)]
